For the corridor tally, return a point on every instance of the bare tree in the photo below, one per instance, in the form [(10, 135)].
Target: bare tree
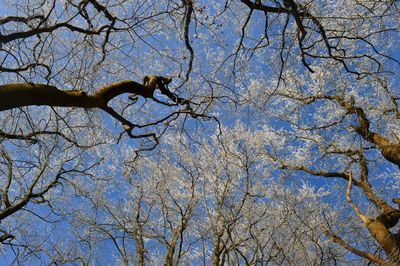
[(314, 81)]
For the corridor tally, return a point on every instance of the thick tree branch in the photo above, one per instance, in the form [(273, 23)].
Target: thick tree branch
[(27, 94), (390, 151), (335, 238), (377, 227)]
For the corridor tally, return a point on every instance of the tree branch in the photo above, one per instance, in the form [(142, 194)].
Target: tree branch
[(352, 249), (27, 94), (352, 205)]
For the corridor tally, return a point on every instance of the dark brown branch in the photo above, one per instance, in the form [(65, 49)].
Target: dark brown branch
[(24, 68), (5, 236), (300, 14), (32, 136), (103, 9), (4, 194), (188, 14), (32, 32), (295, 13), (19, 19), (257, 5), (342, 175)]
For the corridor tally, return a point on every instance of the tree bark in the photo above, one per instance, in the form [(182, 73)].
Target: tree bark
[(386, 240), (26, 94)]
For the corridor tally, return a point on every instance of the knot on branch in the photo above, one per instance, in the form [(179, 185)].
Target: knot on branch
[(389, 218), (153, 82)]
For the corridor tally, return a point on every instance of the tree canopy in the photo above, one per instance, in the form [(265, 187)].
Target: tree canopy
[(237, 132)]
